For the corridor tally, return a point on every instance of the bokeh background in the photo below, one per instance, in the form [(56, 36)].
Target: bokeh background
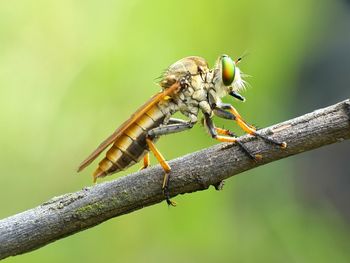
[(72, 71)]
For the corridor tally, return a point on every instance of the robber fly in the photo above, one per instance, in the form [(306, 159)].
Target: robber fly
[(187, 86)]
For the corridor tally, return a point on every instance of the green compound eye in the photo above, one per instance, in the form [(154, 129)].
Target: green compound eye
[(228, 70)]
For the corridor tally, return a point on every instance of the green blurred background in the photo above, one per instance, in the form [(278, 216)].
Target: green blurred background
[(72, 71)]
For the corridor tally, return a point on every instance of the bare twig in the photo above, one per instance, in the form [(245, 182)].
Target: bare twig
[(67, 214)]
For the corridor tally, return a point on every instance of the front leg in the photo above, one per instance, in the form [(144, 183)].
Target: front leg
[(227, 111)]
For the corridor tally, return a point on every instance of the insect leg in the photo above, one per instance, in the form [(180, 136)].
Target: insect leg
[(224, 114), (232, 114), (171, 128), (158, 155), (214, 131), (165, 167), (208, 122), (225, 132), (175, 121), (146, 162), (178, 126)]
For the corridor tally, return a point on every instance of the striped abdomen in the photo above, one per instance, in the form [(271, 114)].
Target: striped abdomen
[(131, 146)]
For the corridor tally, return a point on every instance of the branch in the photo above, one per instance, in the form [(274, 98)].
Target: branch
[(70, 213)]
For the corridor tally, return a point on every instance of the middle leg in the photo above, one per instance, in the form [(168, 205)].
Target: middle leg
[(226, 136)]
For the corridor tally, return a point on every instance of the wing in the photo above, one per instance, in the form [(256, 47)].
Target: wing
[(118, 132)]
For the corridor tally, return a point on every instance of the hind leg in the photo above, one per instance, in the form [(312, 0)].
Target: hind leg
[(166, 169), (146, 162), (177, 126)]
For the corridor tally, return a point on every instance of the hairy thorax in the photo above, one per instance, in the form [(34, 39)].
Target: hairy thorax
[(189, 100)]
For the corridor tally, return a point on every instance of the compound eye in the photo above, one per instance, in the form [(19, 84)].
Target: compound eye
[(228, 70)]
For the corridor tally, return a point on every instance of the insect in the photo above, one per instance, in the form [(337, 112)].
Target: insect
[(187, 86)]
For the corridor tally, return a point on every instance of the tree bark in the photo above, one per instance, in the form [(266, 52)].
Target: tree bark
[(69, 213)]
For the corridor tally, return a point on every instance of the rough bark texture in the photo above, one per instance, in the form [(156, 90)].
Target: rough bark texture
[(67, 214)]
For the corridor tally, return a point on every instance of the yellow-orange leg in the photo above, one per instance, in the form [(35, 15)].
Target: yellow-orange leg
[(214, 131), (224, 131), (255, 157), (222, 138), (248, 128), (166, 168), (146, 162), (229, 136), (226, 135), (244, 126)]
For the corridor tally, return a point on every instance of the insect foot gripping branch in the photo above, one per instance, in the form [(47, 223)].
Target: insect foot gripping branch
[(188, 86)]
